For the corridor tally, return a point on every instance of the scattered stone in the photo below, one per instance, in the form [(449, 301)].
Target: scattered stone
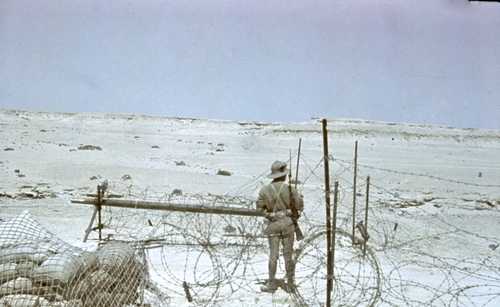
[(21, 175), (222, 172), (8, 149), (136, 137), (155, 146), (6, 195), (43, 130), (93, 178), (176, 192), (126, 177), (180, 163), (480, 174), (402, 213), (437, 205), (219, 149), (493, 246), (409, 203), (17, 171), (72, 149), (36, 194), (486, 202), (220, 144), (89, 147), (62, 144)]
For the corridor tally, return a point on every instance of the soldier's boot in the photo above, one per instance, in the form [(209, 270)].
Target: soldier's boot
[(290, 284), (271, 286), (290, 277)]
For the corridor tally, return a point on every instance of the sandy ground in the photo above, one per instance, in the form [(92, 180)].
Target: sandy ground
[(433, 218)]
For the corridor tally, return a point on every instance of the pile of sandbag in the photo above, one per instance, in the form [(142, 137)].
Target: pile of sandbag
[(38, 269)]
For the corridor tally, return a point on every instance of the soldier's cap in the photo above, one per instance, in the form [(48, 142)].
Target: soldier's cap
[(278, 169)]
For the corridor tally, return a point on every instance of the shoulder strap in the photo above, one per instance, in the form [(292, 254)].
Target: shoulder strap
[(279, 195)]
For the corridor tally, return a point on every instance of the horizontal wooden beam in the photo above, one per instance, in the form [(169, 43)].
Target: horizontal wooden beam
[(153, 205)]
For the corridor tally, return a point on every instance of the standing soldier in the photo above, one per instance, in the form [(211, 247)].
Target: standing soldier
[(275, 200)]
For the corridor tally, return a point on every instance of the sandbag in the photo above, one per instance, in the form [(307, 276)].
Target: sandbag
[(132, 278), (71, 303), (64, 268), (101, 299), (23, 252), (115, 257), (102, 280), (23, 300), (16, 286), (7, 272), (25, 269)]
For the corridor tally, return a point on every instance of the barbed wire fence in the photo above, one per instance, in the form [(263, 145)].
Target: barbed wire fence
[(224, 257), (212, 260)]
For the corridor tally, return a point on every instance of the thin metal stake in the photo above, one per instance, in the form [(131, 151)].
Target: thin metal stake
[(329, 280), (366, 212), (334, 227), (99, 207), (354, 191)]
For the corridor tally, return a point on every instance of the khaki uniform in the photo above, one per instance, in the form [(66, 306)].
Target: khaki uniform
[(274, 200)]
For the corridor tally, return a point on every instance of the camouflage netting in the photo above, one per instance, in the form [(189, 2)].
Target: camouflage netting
[(38, 269)]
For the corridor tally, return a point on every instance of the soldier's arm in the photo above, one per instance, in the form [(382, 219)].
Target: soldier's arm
[(261, 201), (262, 205)]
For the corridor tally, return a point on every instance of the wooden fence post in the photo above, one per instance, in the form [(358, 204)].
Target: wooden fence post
[(334, 226), (366, 213), (329, 281), (354, 191)]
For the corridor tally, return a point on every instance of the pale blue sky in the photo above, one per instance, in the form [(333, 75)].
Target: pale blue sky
[(393, 60)]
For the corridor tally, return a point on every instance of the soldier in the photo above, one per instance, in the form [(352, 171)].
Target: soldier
[(274, 201)]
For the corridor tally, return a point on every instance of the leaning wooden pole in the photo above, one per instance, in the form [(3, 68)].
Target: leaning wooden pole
[(334, 226), (329, 266), (354, 191), (164, 206), (366, 212)]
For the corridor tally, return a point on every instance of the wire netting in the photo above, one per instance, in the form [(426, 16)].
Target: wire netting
[(39, 269)]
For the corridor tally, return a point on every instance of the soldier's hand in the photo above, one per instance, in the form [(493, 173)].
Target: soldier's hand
[(270, 216)]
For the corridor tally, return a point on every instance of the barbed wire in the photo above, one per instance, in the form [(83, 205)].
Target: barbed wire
[(434, 177), (224, 257)]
